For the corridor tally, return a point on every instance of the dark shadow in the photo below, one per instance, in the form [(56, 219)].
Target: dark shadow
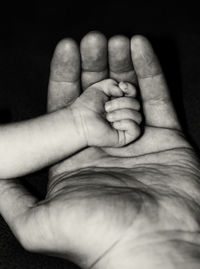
[(167, 52), (5, 116), (36, 183)]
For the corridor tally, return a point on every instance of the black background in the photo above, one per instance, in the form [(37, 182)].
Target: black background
[(28, 35)]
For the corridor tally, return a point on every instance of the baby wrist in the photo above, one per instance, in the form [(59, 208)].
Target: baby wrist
[(78, 125)]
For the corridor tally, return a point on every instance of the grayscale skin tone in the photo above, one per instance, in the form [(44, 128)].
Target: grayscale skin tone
[(130, 207), (93, 119)]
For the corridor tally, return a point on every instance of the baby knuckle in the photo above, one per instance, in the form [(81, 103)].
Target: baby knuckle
[(115, 104), (111, 81)]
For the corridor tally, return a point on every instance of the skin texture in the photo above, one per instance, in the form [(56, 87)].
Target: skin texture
[(55, 136), (130, 207), (106, 114)]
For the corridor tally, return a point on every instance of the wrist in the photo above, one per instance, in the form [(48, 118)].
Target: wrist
[(78, 124)]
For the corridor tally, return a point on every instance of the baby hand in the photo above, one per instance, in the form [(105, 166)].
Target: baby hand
[(123, 113), (106, 122)]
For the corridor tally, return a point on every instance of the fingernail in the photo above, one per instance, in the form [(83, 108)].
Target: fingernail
[(107, 106), (109, 116), (123, 86)]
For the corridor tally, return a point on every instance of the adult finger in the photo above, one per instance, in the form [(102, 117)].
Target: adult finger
[(120, 63), (94, 58), (157, 105), (64, 83)]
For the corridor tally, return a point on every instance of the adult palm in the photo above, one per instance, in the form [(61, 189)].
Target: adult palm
[(106, 206)]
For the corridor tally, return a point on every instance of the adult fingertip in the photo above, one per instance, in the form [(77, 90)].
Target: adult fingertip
[(139, 43), (64, 48), (65, 64), (137, 39), (118, 42), (144, 58), (93, 38)]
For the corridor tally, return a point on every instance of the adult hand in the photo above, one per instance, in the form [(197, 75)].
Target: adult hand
[(116, 208)]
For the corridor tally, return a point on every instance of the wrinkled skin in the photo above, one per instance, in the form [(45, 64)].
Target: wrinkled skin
[(131, 207)]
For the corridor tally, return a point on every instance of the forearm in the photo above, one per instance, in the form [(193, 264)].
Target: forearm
[(34, 144)]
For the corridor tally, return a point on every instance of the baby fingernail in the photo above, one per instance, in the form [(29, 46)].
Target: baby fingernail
[(107, 106), (109, 116), (123, 85)]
